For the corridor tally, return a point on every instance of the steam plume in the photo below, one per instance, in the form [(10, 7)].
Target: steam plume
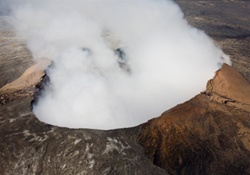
[(116, 63)]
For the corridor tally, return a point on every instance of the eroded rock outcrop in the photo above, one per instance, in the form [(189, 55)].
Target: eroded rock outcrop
[(25, 85), (30, 78), (209, 134), (229, 87)]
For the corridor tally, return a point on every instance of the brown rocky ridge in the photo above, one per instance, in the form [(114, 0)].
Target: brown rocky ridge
[(25, 85), (209, 134)]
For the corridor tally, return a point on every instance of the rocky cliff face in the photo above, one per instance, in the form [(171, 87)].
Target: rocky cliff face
[(230, 88), (209, 134)]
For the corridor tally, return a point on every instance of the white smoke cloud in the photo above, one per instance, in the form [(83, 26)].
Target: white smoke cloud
[(159, 62)]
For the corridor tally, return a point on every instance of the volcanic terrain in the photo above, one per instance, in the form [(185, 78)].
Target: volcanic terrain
[(209, 134)]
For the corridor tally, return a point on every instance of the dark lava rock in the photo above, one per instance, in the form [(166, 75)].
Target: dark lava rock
[(28, 146), (15, 57)]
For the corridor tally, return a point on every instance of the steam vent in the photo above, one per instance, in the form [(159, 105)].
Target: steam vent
[(208, 134)]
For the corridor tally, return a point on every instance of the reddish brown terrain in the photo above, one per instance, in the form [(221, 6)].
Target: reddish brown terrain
[(209, 134)]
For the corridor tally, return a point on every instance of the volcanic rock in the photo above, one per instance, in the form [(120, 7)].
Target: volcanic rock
[(30, 78), (209, 134), (25, 85), (229, 87), (28, 146)]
